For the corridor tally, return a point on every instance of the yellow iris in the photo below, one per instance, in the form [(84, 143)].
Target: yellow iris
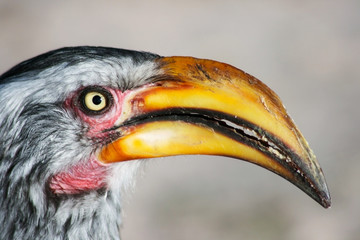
[(95, 101)]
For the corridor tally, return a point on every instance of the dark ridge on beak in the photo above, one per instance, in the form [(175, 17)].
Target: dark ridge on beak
[(241, 131)]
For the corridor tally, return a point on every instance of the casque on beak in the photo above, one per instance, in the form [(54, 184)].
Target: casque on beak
[(206, 107)]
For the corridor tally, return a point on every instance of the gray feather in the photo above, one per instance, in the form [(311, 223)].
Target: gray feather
[(39, 138)]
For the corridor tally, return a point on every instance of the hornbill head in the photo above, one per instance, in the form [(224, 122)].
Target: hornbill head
[(72, 119)]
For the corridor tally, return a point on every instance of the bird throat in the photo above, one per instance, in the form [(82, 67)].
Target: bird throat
[(85, 176)]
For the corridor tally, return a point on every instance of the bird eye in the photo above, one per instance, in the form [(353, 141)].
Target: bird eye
[(95, 100)]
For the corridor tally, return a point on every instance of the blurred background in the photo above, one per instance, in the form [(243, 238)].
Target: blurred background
[(307, 51)]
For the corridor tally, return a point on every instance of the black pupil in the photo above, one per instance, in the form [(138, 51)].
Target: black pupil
[(97, 100)]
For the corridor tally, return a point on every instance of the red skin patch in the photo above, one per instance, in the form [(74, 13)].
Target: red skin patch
[(90, 174)]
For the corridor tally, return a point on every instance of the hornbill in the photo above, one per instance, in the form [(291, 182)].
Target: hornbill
[(72, 119)]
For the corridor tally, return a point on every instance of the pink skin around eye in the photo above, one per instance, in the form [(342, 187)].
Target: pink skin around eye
[(107, 120), (91, 174)]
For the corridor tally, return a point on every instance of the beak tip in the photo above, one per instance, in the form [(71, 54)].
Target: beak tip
[(322, 193), (325, 199)]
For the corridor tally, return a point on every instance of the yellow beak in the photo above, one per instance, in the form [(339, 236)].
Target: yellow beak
[(204, 107)]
